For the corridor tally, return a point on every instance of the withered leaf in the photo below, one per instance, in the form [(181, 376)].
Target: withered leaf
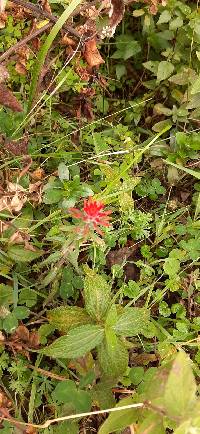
[(116, 13), (91, 54), (7, 99), (4, 74)]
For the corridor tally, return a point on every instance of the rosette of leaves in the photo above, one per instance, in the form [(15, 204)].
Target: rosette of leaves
[(100, 324)]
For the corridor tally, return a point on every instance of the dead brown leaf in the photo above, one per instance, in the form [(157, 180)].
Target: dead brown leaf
[(7, 99), (38, 174), (91, 54), (4, 74), (17, 147), (68, 41), (3, 19), (44, 4)]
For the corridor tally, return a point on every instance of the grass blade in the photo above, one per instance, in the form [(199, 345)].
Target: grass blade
[(45, 47), (185, 169)]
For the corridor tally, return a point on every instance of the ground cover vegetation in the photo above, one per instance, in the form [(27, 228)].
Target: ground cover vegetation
[(99, 217)]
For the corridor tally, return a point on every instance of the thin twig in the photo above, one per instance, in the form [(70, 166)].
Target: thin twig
[(48, 373), (24, 41), (77, 416), (38, 12)]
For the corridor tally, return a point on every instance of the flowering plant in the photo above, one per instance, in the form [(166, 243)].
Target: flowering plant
[(92, 216)]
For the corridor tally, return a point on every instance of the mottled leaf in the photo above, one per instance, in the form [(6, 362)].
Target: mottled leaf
[(180, 392), (132, 321), (76, 343), (65, 318), (97, 294)]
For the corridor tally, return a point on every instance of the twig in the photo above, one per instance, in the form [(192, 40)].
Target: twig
[(48, 373), (24, 41), (77, 416), (37, 12)]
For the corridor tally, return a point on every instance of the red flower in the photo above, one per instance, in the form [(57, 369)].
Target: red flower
[(93, 214)]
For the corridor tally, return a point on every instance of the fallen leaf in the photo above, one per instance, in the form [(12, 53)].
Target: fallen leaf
[(16, 238), (116, 13), (20, 68), (68, 41), (3, 19), (91, 54), (17, 202), (17, 147), (44, 4), (7, 99), (4, 74), (38, 174)]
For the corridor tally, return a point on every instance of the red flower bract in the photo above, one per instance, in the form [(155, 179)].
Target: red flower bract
[(93, 214)]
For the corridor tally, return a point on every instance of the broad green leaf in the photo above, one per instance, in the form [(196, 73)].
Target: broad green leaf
[(10, 323), (180, 391), (152, 424), (165, 17), (65, 318), (184, 428), (158, 127), (132, 321), (196, 86), (19, 254), (151, 66), (113, 358), (102, 394), (120, 419), (63, 172), (176, 23), (67, 427), (97, 294), (171, 266), (21, 312), (120, 70), (76, 343), (6, 294), (136, 375), (165, 69), (66, 392)]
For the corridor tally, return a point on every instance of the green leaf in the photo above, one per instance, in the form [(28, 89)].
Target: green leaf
[(136, 375), (6, 294), (120, 70), (158, 127), (20, 254), (21, 312), (165, 17), (113, 358), (152, 424), (102, 394), (65, 318), (63, 172), (67, 393), (180, 390), (176, 23), (67, 427), (184, 428), (132, 321), (165, 69), (10, 323), (151, 66), (196, 86), (77, 343), (171, 266), (119, 420), (97, 294)]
